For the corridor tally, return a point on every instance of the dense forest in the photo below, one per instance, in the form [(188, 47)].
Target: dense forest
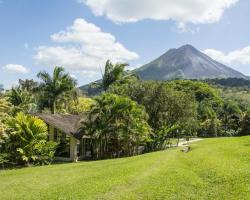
[(127, 114)]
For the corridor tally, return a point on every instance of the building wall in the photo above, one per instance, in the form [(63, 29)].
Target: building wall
[(51, 132), (73, 146)]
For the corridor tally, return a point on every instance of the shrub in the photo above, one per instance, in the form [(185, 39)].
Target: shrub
[(26, 140), (4, 159), (246, 124)]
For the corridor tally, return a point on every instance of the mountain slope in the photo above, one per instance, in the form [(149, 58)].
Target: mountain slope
[(185, 62)]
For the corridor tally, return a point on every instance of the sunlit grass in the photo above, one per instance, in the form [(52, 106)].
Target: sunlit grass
[(214, 169)]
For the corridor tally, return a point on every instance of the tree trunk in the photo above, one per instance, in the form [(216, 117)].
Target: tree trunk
[(53, 107)]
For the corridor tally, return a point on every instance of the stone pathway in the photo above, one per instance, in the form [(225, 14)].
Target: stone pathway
[(183, 143)]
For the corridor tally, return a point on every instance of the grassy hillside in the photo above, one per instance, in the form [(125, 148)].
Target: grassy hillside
[(213, 169)]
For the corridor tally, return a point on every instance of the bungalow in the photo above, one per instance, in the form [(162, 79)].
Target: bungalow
[(64, 129)]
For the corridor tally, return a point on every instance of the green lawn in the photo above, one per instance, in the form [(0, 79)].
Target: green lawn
[(213, 169)]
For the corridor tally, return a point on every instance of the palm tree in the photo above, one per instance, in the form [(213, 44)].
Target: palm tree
[(114, 73), (56, 85), (116, 125)]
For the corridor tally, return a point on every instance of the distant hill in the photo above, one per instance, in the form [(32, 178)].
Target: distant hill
[(185, 62), (230, 82), (89, 90)]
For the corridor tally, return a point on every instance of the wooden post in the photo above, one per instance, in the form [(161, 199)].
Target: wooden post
[(73, 149), (84, 148)]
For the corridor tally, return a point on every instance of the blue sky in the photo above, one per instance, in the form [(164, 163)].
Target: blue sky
[(82, 34)]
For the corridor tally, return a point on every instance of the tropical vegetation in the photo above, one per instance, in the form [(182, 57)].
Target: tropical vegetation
[(56, 87), (25, 141), (128, 116), (117, 126)]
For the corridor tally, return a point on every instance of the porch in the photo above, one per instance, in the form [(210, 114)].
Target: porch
[(64, 129)]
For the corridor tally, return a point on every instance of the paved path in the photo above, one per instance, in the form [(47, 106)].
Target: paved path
[(183, 143)]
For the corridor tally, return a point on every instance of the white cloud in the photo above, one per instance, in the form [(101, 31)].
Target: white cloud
[(239, 56), (83, 47), (181, 11), (16, 68)]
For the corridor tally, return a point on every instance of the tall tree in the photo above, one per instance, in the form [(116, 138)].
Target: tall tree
[(168, 109), (231, 116), (163, 103), (113, 73), (56, 85), (117, 126), (28, 84)]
